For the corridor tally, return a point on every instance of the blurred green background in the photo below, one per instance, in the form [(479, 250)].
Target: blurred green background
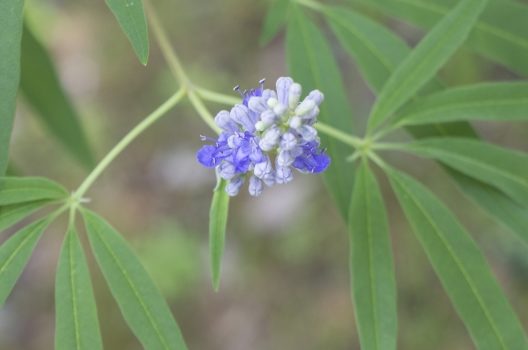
[(285, 281)]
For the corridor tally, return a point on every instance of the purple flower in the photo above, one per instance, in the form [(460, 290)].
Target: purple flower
[(268, 127)]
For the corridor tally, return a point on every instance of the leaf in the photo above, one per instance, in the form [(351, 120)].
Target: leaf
[(11, 214), (373, 281), (377, 50), (274, 20), (217, 228), (43, 91), (77, 326), (25, 189), (425, 60), (500, 34), (461, 267), (141, 303), (503, 168), (501, 207), (311, 62), (11, 17), (489, 101), (15, 253), (131, 17)]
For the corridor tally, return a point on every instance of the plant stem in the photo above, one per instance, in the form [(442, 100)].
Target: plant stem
[(148, 121), (353, 141), (314, 5), (166, 48), (217, 97), (203, 111)]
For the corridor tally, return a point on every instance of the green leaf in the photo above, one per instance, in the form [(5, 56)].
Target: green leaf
[(77, 326), (131, 17), (217, 228), (43, 91), (503, 168), (141, 303), (461, 267), (11, 214), (25, 189), (15, 253), (371, 266), (275, 19), (489, 101), (501, 207), (377, 50), (311, 62), (425, 60), (11, 17), (498, 204), (500, 34)]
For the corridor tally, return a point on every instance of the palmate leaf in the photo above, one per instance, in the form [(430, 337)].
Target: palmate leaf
[(274, 20), (25, 189), (368, 52), (131, 17), (42, 89), (15, 253), (503, 168), (76, 326), (371, 266), (11, 214), (489, 101), (425, 60), (311, 62), (500, 34), (461, 268), (217, 230), (141, 303), (11, 18)]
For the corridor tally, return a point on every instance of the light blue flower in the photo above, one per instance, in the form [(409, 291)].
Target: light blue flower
[(267, 127)]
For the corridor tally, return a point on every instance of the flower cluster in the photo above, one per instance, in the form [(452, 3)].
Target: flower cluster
[(266, 136)]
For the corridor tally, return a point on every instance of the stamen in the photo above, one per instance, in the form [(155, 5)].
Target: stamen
[(237, 89)]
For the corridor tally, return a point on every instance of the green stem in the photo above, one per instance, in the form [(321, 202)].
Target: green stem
[(353, 141), (166, 48), (203, 111), (389, 146), (213, 96), (314, 5), (107, 160)]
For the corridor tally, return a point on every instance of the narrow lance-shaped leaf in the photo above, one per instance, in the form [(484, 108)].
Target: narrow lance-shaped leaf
[(274, 20), (510, 214), (377, 50), (76, 326), (11, 18), (15, 253), (489, 101), (11, 214), (43, 91), (425, 60), (500, 34), (311, 62), (141, 303), (131, 17), (363, 45), (503, 168), (25, 189), (371, 266), (461, 267), (217, 229)]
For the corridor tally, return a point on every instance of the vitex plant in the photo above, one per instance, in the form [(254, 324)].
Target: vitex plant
[(267, 134)]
